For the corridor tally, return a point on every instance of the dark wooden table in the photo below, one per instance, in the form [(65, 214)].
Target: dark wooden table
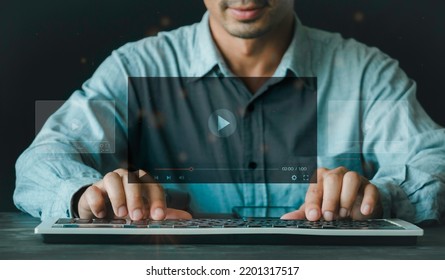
[(17, 241)]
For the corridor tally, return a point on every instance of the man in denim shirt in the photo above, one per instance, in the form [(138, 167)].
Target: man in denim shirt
[(379, 153)]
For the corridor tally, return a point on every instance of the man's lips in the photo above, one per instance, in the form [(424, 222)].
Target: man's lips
[(246, 13)]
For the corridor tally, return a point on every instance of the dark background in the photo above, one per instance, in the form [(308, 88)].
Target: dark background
[(49, 48)]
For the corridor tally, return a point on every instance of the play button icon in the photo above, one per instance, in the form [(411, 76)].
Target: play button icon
[(76, 125), (222, 123)]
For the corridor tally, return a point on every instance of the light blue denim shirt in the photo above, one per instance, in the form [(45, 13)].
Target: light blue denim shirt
[(368, 121)]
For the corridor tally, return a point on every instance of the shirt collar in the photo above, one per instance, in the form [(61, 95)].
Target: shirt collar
[(206, 54), (297, 57)]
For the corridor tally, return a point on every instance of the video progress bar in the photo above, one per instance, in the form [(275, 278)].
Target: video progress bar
[(213, 169)]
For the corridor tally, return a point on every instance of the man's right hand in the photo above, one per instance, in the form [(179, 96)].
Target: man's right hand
[(115, 197)]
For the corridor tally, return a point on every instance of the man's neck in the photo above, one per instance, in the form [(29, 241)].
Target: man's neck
[(258, 57)]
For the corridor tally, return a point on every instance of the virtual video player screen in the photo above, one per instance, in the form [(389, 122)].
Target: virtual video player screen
[(214, 130)]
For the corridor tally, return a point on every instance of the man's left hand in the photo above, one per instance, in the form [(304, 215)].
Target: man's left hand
[(339, 193)]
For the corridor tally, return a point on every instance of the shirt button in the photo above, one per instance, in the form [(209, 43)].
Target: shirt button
[(252, 165)]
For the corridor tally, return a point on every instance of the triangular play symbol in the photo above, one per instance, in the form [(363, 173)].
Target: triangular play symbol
[(222, 123), (75, 126)]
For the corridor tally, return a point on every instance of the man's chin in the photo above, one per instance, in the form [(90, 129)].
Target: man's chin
[(247, 32)]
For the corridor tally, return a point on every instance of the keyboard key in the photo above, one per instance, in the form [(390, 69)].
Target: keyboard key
[(101, 221), (136, 224), (65, 221), (82, 221), (70, 225), (118, 221), (139, 223)]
